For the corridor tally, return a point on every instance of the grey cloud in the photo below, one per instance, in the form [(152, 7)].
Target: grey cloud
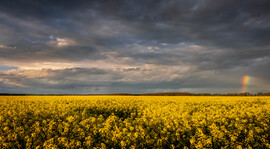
[(59, 79), (80, 78), (138, 40), (76, 80)]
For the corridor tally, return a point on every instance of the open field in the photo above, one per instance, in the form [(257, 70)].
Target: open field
[(134, 122)]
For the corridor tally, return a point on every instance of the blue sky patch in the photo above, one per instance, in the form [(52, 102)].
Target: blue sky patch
[(6, 68)]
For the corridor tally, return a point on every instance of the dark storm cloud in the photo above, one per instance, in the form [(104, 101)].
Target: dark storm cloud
[(227, 23), (136, 44)]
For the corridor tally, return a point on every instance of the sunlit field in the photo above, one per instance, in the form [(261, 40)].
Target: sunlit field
[(134, 122)]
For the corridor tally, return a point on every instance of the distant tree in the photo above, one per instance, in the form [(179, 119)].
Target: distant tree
[(259, 94), (266, 94)]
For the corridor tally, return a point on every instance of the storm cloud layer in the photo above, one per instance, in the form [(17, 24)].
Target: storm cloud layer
[(103, 46)]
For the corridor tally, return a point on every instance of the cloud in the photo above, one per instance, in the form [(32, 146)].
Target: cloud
[(134, 46), (6, 47), (60, 42)]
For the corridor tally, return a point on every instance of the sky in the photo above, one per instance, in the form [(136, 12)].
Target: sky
[(134, 46)]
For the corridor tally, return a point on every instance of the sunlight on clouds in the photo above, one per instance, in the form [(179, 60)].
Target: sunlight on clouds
[(6, 47), (61, 42), (48, 65), (39, 65), (12, 83)]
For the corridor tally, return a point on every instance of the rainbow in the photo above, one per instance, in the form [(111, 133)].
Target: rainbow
[(245, 82)]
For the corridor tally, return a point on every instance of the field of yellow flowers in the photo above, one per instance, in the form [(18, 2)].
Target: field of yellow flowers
[(134, 122)]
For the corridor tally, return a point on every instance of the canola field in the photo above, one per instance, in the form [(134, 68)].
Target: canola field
[(134, 122)]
